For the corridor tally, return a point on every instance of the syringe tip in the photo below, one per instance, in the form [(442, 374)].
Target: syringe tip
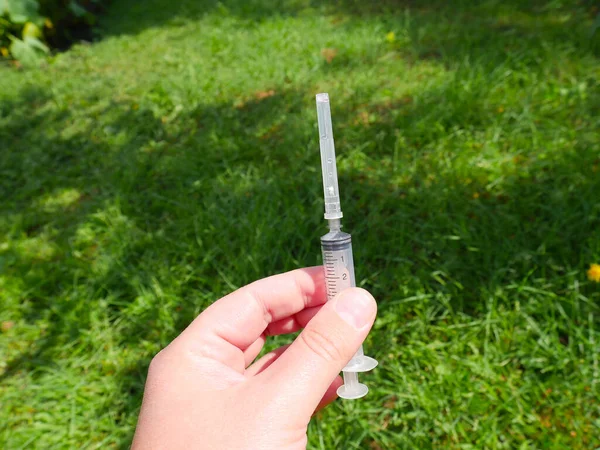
[(323, 97)]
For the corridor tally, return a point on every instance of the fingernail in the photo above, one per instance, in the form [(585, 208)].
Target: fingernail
[(355, 307)]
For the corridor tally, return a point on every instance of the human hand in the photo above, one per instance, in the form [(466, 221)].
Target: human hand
[(203, 391)]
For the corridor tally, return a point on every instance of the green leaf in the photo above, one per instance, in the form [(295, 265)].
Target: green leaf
[(37, 44), (21, 11), (29, 51), (76, 9)]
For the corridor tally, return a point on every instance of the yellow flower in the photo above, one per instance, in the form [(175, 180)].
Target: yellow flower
[(31, 30), (390, 37), (594, 273)]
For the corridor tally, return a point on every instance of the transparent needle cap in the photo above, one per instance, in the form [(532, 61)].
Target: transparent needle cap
[(333, 209)]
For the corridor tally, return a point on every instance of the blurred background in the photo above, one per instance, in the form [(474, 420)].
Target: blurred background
[(157, 155)]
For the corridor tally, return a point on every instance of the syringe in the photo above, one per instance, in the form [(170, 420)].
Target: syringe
[(337, 247)]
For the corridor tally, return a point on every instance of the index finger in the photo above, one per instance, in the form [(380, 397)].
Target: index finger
[(227, 327)]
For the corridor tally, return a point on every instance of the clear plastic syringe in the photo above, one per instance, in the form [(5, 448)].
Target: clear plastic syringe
[(337, 247)]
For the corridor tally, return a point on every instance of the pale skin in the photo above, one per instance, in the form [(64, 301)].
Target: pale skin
[(205, 391)]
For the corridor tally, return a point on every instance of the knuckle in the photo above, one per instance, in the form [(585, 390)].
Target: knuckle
[(262, 305), (157, 362), (300, 289), (323, 344)]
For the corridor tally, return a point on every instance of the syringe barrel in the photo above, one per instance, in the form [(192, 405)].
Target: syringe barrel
[(339, 275), (338, 262)]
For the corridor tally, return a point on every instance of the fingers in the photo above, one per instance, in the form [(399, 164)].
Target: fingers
[(283, 326), (310, 365), (231, 326), (266, 361), (254, 349), (293, 323), (330, 394)]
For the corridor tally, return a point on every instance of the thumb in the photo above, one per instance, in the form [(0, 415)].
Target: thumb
[(308, 367)]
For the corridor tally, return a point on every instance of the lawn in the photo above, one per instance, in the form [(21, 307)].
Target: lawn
[(175, 159)]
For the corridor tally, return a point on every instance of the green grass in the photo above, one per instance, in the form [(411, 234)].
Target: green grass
[(146, 175)]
